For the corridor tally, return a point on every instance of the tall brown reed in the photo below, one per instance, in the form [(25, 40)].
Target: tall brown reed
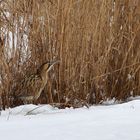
[(97, 42)]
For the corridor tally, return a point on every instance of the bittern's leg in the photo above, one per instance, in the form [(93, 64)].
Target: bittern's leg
[(25, 102)]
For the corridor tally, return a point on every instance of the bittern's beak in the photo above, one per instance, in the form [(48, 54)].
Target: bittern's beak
[(52, 63)]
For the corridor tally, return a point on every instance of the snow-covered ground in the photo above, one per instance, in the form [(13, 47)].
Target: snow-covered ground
[(112, 122)]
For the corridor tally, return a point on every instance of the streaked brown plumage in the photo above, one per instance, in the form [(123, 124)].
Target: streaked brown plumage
[(31, 87)]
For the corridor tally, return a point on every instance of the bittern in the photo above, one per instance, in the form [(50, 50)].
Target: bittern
[(32, 86)]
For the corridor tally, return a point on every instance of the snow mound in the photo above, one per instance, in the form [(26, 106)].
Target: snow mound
[(29, 109)]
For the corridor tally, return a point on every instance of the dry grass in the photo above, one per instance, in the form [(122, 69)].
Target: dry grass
[(97, 42)]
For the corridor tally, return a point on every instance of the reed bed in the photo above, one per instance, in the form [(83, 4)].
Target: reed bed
[(97, 42)]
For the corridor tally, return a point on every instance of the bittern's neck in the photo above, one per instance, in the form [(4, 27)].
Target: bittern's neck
[(44, 77)]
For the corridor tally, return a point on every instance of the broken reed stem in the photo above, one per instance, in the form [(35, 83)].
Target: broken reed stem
[(112, 72)]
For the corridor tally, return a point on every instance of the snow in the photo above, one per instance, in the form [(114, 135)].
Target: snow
[(111, 122)]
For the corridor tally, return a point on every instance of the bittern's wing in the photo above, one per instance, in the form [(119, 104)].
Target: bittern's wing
[(30, 86)]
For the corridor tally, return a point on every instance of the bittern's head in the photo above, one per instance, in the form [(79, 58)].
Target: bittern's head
[(46, 67)]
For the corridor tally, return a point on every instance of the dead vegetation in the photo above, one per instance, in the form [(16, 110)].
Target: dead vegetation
[(97, 42)]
